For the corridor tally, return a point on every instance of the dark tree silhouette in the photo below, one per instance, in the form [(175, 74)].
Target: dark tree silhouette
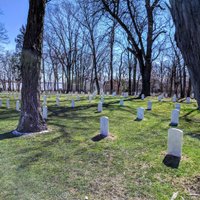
[(31, 119), (186, 17)]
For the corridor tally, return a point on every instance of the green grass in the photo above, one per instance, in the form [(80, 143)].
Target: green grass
[(66, 164)]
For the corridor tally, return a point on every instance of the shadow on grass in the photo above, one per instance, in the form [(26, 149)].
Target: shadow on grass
[(98, 138), (138, 120), (7, 135), (194, 135), (171, 161)]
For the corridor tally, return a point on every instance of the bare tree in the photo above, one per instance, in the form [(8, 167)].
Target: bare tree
[(138, 21)]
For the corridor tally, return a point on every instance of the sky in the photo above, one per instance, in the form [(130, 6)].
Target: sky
[(15, 14)]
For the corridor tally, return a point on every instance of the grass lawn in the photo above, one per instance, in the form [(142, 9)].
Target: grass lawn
[(66, 164)]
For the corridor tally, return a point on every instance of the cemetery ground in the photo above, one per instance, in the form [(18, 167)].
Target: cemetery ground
[(65, 163)]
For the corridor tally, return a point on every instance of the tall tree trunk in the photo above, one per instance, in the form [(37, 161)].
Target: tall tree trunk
[(184, 80), (31, 119), (189, 88), (186, 17), (134, 75)]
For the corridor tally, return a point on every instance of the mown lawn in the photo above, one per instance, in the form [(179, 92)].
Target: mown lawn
[(66, 164)]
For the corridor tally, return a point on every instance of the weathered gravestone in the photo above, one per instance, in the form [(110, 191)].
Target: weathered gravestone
[(149, 105), (174, 148), (17, 105), (121, 103), (104, 126), (73, 103), (178, 106), (44, 112), (100, 107), (8, 103), (140, 113), (175, 118)]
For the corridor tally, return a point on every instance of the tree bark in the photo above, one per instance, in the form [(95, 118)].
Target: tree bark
[(31, 119), (186, 17)]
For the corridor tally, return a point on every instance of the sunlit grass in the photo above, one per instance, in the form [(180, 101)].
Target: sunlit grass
[(65, 164)]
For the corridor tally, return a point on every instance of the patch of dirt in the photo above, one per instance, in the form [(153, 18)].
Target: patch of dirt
[(193, 187), (105, 188)]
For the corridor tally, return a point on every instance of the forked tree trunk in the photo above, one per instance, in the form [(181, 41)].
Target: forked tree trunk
[(186, 17), (31, 119)]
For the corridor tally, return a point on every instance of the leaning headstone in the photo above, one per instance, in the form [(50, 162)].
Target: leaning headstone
[(174, 117), (174, 148), (8, 103), (17, 105), (121, 103), (100, 107), (149, 105), (188, 100), (44, 112), (104, 126), (178, 106), (140, 113), (73, 103)]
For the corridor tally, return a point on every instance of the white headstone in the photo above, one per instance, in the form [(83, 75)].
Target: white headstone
[(125, 94), (45, 112), (17, 105), (78, 98), (142, 96), (121, 103), (73, 103), (192, 96), (175, 117), (149, 105), (104, 126), (175, 141), (140, 113), (100, 107), (45, 99), (57, 101), (8, 103), (0, 102), (178, 106), (188, 100), (174, 98), (90, 97), (159, 98)]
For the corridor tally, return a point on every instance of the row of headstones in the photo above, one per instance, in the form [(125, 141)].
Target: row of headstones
[(174, 98), (8, 104), (140, 111), (174, 144)]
